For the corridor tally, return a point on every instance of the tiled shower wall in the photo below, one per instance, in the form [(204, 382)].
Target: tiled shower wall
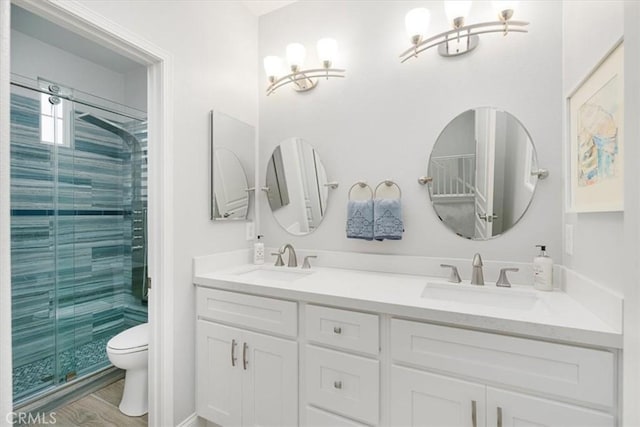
[(73, 267)]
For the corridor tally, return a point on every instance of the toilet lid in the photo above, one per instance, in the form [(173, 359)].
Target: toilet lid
[(135, 337)]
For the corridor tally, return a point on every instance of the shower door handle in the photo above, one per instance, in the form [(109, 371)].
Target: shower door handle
[(52, 296)]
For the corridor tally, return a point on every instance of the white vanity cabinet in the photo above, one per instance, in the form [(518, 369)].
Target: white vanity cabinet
[(423, 399), (272, 362), (245, 378), (342, 368), (511, 409), (558, 372)]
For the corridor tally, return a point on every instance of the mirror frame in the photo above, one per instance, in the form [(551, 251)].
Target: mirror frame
[(536, 161)]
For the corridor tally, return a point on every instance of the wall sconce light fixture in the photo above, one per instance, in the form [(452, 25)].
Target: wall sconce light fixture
[(303, 80), (462, 38)]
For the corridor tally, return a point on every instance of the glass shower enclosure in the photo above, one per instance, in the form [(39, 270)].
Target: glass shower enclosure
[(78, 233)]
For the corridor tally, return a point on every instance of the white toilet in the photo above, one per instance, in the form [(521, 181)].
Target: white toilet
[(129, 351)]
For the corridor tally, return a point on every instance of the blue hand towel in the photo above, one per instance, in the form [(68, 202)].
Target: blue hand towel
[(360, 219), (387, 221)]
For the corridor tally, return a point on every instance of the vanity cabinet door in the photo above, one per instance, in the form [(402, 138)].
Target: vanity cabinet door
[(510, 409), (422, 399), (270, 380), (219, 381)]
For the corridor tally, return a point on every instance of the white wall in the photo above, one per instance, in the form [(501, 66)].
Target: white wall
[(214, 52), (34, 58), (606, 244), (382, 120), (135, 88)]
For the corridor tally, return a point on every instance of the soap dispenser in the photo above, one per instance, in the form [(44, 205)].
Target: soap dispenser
[(258, 251), (543, 270)]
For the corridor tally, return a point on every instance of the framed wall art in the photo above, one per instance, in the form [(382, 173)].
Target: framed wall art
[(596, 138)]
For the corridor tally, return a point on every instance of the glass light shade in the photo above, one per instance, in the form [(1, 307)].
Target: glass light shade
[(295, 54), (501, 5), (327, 50), (272, 66), (417, 21), (457, 9)]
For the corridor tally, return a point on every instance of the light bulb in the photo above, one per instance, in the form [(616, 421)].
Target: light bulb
[(327, 50), (504, 8), (457, 11), (272, 66), (417, 23), (295, 56)]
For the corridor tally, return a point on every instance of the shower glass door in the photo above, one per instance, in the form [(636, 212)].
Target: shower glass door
[(33, 245), (78, 200)]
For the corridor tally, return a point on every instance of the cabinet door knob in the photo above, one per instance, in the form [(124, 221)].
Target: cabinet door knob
[(337, 384), (245, 362), (499, 417), (337, 330), (233, 352)]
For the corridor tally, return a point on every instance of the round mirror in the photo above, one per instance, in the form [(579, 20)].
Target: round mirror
[(482, 170), (230, 195), (296, 186)]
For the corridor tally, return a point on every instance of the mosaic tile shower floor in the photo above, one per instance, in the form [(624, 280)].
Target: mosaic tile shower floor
[(39, 374)]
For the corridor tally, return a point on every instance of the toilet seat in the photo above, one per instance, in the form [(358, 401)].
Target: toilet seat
[(132, 340)]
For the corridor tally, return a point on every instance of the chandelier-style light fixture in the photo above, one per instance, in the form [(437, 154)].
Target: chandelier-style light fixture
[(302, 80), (462, 38)]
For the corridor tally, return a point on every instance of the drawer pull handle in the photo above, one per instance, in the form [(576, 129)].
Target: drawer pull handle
[(337, 330), (499, 417), (233, 352), (245, 347), (474, 414), (337, 384)]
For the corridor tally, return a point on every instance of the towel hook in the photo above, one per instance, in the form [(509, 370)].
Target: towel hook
[(388, 183), (362, 185)]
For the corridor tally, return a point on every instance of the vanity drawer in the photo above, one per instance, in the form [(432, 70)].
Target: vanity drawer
[(319, 418), (562, 370), (259, 313), (346, 329), (343, 383)]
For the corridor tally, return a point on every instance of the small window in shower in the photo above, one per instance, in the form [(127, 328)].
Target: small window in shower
[(54, 120)]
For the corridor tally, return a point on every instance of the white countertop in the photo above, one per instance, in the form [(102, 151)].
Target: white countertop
[(555, 316)]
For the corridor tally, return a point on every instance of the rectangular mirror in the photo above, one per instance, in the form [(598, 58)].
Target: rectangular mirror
[(232, 167)]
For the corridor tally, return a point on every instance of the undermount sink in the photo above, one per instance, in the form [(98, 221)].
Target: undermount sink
[(509, 298), (280, 274)]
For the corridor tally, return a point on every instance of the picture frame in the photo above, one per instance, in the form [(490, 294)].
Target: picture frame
[(596, 138)]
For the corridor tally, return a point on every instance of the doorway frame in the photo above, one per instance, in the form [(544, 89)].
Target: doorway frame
[(82, 20)]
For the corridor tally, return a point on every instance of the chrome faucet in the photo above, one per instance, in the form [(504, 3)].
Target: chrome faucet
[(293, 260), (477, 278)]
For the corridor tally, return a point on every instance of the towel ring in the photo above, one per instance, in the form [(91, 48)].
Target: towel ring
[(360, 184), (388, 183)]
